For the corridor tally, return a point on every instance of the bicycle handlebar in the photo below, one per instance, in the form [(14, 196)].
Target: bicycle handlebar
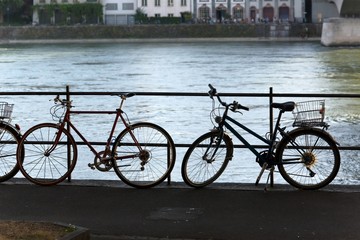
[(65, 102), (233, 106)]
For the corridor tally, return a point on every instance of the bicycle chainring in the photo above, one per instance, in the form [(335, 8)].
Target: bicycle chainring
[(101, 164), (266, 159)]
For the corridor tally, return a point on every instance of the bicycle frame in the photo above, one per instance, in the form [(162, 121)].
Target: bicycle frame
[(243, 140), (67, 121), (270, 143)]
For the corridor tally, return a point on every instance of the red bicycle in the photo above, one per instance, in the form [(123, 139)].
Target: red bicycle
[(143, 154)]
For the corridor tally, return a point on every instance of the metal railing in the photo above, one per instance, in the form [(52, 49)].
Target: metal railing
[(270, 95)]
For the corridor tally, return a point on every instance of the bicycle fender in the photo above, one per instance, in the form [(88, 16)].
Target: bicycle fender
[(232, 145), (312, 129), (13, 128)]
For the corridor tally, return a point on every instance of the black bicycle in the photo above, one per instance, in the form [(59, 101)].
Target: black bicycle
[(9, 139), (307, 157)]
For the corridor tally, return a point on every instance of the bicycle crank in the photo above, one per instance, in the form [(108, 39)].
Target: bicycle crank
[(102, 164)]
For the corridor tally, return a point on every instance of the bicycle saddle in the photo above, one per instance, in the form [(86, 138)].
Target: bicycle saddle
[(286, 106)]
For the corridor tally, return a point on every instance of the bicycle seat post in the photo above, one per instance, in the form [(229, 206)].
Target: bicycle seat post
[(123, 98)]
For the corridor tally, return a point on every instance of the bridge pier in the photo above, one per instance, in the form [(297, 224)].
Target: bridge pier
[(341, 32)]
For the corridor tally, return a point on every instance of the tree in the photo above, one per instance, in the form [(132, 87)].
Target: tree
[(9, 8), (140, 16)]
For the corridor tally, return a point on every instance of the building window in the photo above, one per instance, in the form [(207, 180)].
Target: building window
[(111, 6), (204, 12), (128, 6), (144, 3), (64, 1), (157, 3), (157, 15), (42, 1), (183, 2), (238, 12), (170, 15), (170, 3)]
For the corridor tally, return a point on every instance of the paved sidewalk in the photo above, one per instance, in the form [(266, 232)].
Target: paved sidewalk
[(114, 211)]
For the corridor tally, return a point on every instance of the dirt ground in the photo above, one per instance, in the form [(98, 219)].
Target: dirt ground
[(11, 230)]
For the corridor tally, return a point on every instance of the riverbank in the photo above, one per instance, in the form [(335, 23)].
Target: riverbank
[(166, 33), (157, 40)]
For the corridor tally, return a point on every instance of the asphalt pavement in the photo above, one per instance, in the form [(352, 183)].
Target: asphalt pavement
[(114, 211)]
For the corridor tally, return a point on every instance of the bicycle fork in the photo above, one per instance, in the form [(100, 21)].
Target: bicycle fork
[(214, 140)]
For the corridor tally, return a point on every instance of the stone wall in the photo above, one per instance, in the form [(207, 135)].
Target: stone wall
[(341, 32), (157, 31)]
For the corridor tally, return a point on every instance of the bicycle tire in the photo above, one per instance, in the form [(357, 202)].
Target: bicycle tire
[(198, 172), (9, 139), (152, 164), (43, 168), (317, 154)]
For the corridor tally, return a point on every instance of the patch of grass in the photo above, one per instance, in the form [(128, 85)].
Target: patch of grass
[(14, 230)]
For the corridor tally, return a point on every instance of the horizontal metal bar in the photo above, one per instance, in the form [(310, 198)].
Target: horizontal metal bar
[(181, 94)]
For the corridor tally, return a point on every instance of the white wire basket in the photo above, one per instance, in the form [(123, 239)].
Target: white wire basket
[(309, 113), (5, 110)]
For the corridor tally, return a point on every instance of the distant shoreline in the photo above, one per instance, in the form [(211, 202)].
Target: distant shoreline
[(156, 40), (160, 33)]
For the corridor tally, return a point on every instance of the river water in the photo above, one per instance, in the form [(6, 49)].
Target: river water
[(254, 67)]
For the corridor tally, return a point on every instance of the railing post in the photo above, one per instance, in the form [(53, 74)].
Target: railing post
[(68, 128), (168, 157), (271, 124)]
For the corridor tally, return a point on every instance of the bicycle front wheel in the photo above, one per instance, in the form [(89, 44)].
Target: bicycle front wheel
[(143, 156), (308, 158), (9, 139), (46, 162), (206, 159)]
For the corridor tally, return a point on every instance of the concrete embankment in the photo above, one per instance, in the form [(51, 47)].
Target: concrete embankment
[(341, 32), (180, 32)]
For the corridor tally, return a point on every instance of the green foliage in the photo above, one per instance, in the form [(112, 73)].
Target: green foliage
[(12, 4), (186, 16), (164, 20), (140, 16), (76, 11)]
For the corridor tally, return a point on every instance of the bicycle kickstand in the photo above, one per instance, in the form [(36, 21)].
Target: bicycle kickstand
[(265, 165), (270, 178)]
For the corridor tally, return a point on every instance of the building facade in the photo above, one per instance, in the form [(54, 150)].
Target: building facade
[(119, 12), (245, 10)]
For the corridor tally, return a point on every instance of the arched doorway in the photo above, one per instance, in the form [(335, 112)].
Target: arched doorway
[(204, 13), (238, 13), (252, 14), (268, 13), (221, 13), (284, 13)]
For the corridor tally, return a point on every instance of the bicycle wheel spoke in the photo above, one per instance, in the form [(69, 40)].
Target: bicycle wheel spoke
[(312, 167), (9, 137), (46, 162), (147, 161), (205, 160)]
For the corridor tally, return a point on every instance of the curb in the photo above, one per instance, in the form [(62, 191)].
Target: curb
[(79, 234)]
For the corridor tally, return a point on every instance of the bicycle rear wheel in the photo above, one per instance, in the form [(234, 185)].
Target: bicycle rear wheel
[(45, 163), (206, 159), (308, 158), (9, 139), (145, 156)]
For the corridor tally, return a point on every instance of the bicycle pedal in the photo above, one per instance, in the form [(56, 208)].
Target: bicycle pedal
[(92, 166)]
